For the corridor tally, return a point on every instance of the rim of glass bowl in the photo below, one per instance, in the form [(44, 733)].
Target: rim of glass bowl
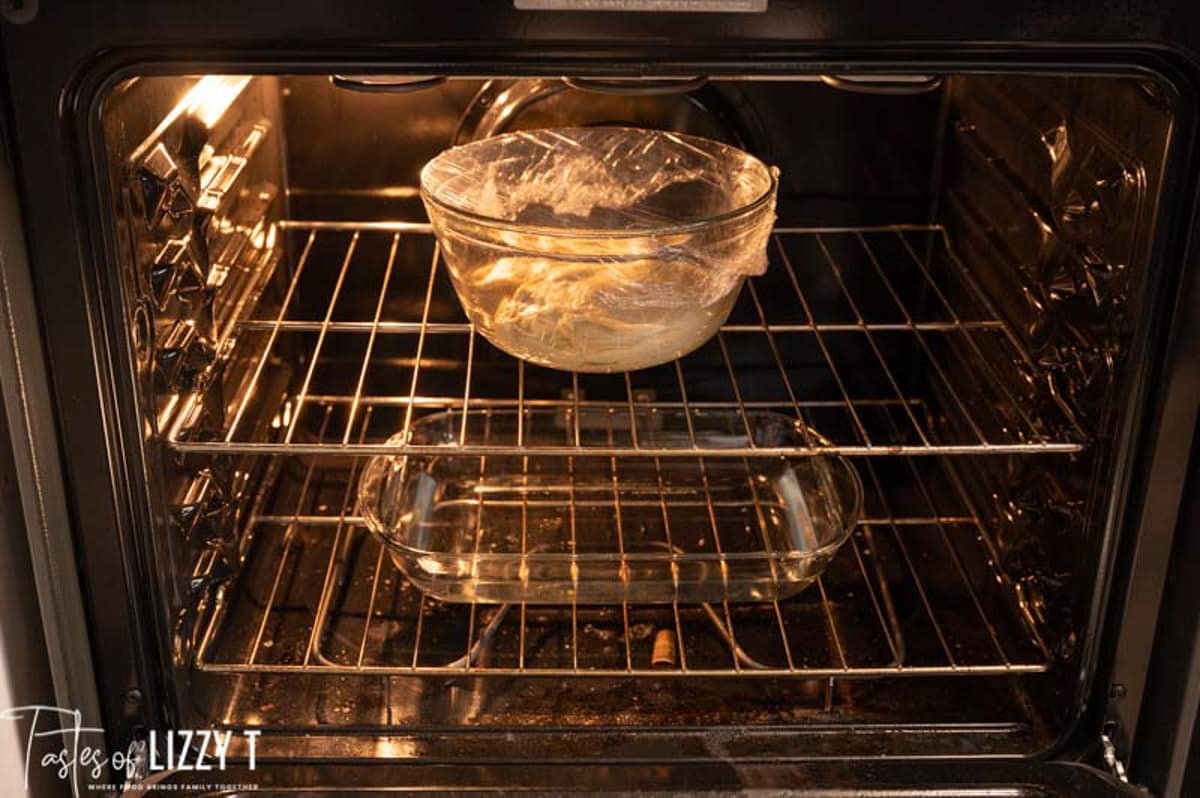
[(643, 232)]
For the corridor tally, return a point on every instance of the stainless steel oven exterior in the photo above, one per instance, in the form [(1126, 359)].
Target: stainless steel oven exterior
[(79, 479)]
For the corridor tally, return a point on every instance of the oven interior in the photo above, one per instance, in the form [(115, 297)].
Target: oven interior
[(955, 295)]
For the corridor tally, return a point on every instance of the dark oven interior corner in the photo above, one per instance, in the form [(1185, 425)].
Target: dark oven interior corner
[(415, 455)]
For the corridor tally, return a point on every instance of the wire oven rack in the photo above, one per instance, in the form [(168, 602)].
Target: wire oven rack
[(861, 309), (916, 591)]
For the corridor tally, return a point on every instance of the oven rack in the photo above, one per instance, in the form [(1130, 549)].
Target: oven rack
[(859, 341), (916, 591)]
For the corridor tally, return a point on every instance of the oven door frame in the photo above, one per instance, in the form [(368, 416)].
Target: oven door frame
[(53, 110)]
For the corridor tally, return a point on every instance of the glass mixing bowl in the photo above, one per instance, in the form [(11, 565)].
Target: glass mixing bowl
[(599, 249)]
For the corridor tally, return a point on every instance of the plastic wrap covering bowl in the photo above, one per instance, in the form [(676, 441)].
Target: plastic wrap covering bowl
[(599, 249), (549, 529)]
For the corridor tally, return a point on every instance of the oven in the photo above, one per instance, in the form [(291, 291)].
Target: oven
[(222, 298)]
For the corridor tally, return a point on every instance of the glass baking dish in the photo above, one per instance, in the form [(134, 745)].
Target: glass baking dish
[(598, 529)]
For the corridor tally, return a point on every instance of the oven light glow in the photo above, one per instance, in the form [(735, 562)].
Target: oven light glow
[(283, 418), (211, 97), (263, 238), (393, 748)]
